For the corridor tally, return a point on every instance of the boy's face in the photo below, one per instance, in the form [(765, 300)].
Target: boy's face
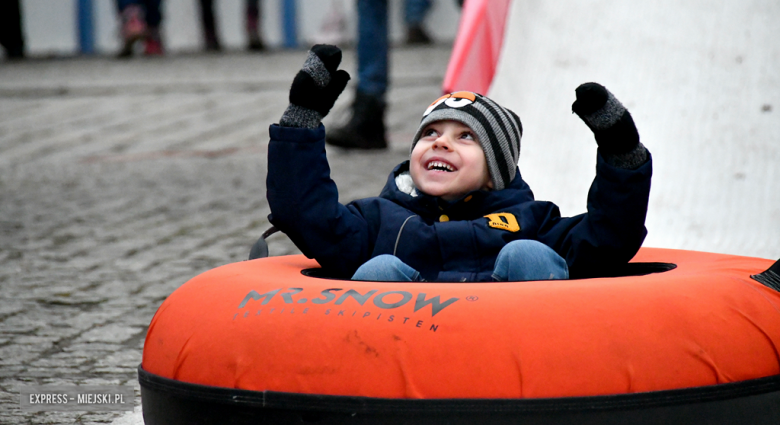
[(448, 161)]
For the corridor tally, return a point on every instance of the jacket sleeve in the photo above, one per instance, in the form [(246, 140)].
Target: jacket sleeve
[(304, 202), (613, 229)]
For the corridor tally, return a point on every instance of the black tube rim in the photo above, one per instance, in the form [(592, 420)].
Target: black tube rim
[(371, 405)]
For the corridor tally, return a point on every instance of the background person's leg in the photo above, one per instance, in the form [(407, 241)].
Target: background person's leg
[(133, 25), (154, 44), (366, 126), (153, 12), (373, 47), (208, 23), (415, 12), (529, 260), (11, 36), (253, 25)]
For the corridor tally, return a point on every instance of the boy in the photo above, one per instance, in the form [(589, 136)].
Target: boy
[(458, 210)]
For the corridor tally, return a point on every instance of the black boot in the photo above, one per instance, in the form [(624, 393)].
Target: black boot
[(11, 37), (366, 127), (416, 35)]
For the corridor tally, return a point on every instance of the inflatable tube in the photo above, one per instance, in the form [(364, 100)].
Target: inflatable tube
[(261, 342)]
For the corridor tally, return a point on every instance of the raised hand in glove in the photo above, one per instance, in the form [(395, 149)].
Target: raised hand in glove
[(315, 88), (611, 124)]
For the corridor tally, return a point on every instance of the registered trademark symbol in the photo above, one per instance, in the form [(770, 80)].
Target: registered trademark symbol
[(472, 298)]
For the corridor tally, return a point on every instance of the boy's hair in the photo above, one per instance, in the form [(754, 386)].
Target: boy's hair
[(498, 129)]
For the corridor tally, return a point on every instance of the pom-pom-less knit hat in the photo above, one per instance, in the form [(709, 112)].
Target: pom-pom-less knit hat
[(498, 129)]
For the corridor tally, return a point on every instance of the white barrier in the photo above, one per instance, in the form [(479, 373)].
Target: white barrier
[(700, 79)]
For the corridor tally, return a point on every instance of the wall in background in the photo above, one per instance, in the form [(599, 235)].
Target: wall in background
[(51, 26)]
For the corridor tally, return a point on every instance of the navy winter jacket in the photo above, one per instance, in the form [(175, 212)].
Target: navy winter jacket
[(446, 241)]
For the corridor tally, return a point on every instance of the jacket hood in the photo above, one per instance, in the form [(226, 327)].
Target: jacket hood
[(474, 204)]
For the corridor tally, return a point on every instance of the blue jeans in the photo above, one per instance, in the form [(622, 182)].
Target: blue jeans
[(373, 42), (415, 11), (529, 260), (518, 261), (386, 268)]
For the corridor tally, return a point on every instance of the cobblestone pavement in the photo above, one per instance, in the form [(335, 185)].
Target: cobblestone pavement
[(121, 180)]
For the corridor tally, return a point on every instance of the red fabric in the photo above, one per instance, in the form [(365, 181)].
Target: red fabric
[(477, 46)]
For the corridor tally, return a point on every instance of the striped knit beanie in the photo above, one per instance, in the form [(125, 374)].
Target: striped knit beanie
[(497, 128)]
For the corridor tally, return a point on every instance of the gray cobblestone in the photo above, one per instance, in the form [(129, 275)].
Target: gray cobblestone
[(121, 180), (112, 333)]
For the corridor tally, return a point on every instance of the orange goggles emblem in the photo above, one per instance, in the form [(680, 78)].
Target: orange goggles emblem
[(453, 100)]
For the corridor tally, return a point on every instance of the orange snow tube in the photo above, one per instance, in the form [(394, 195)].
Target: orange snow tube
[(263, 342)]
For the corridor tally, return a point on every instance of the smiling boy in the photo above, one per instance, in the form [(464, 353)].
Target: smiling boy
[(448, 161), (458, 210)]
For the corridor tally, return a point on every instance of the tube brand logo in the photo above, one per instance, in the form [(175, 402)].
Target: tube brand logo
[(385, 300)]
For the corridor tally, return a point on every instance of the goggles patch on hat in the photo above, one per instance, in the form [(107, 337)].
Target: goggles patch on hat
[(453, 100)]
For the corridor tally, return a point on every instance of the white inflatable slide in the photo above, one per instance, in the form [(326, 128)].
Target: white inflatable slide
[(702, 81)]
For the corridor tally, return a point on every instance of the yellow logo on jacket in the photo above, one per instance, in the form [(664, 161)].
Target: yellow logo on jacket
[(503, 221)]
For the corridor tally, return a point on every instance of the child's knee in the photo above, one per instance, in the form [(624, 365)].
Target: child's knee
[(380, 262), (384, 268), (385, 261), (525, 248), (529, 260)]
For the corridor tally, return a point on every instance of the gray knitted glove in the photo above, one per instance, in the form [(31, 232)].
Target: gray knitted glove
[(315, 88), (611, 124)]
